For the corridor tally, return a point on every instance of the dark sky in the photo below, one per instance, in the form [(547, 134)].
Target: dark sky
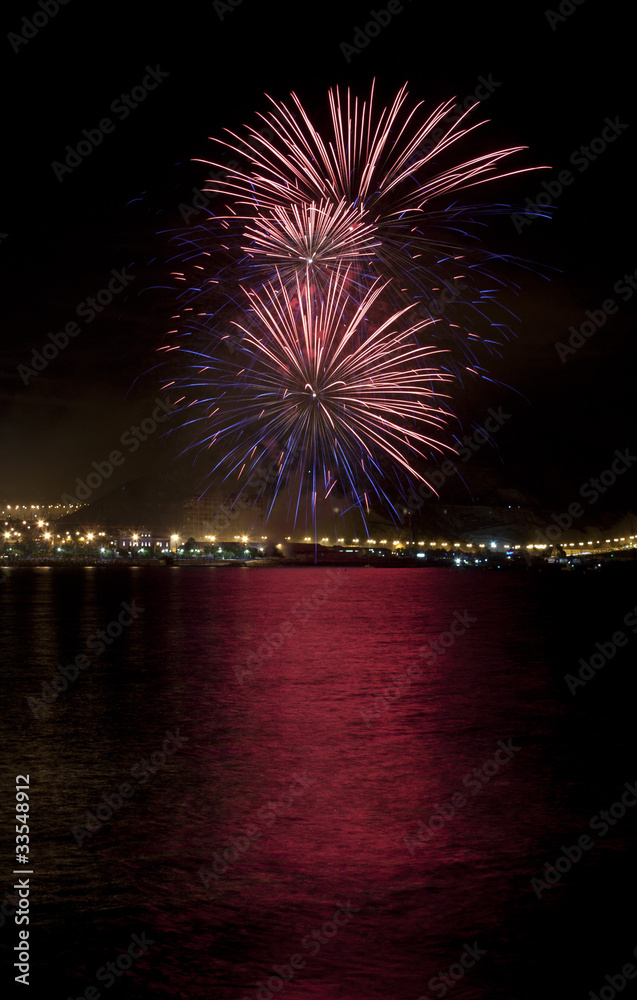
[(554, 82)]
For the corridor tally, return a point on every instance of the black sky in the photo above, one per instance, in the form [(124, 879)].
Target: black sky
[(554, 86)]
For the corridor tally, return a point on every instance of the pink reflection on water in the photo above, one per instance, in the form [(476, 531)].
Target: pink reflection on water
[(298, 800)]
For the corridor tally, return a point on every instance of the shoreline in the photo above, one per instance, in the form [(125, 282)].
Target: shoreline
[(577, 565)]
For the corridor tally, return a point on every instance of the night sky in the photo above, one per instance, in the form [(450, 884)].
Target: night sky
[(555, 80)]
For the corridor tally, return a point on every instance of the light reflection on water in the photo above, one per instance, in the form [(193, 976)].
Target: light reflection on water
[(310, 756)]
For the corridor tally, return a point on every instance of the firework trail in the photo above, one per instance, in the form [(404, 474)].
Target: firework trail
[(311, 333)]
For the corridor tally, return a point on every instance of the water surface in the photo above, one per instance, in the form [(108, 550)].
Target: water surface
[(279, 761)]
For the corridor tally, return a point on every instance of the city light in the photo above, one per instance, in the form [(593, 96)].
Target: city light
[(34, 530)]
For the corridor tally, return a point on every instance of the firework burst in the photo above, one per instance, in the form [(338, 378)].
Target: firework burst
[(320, 393), (373, 193), (313, 238), (377, 177), (321, 278)]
